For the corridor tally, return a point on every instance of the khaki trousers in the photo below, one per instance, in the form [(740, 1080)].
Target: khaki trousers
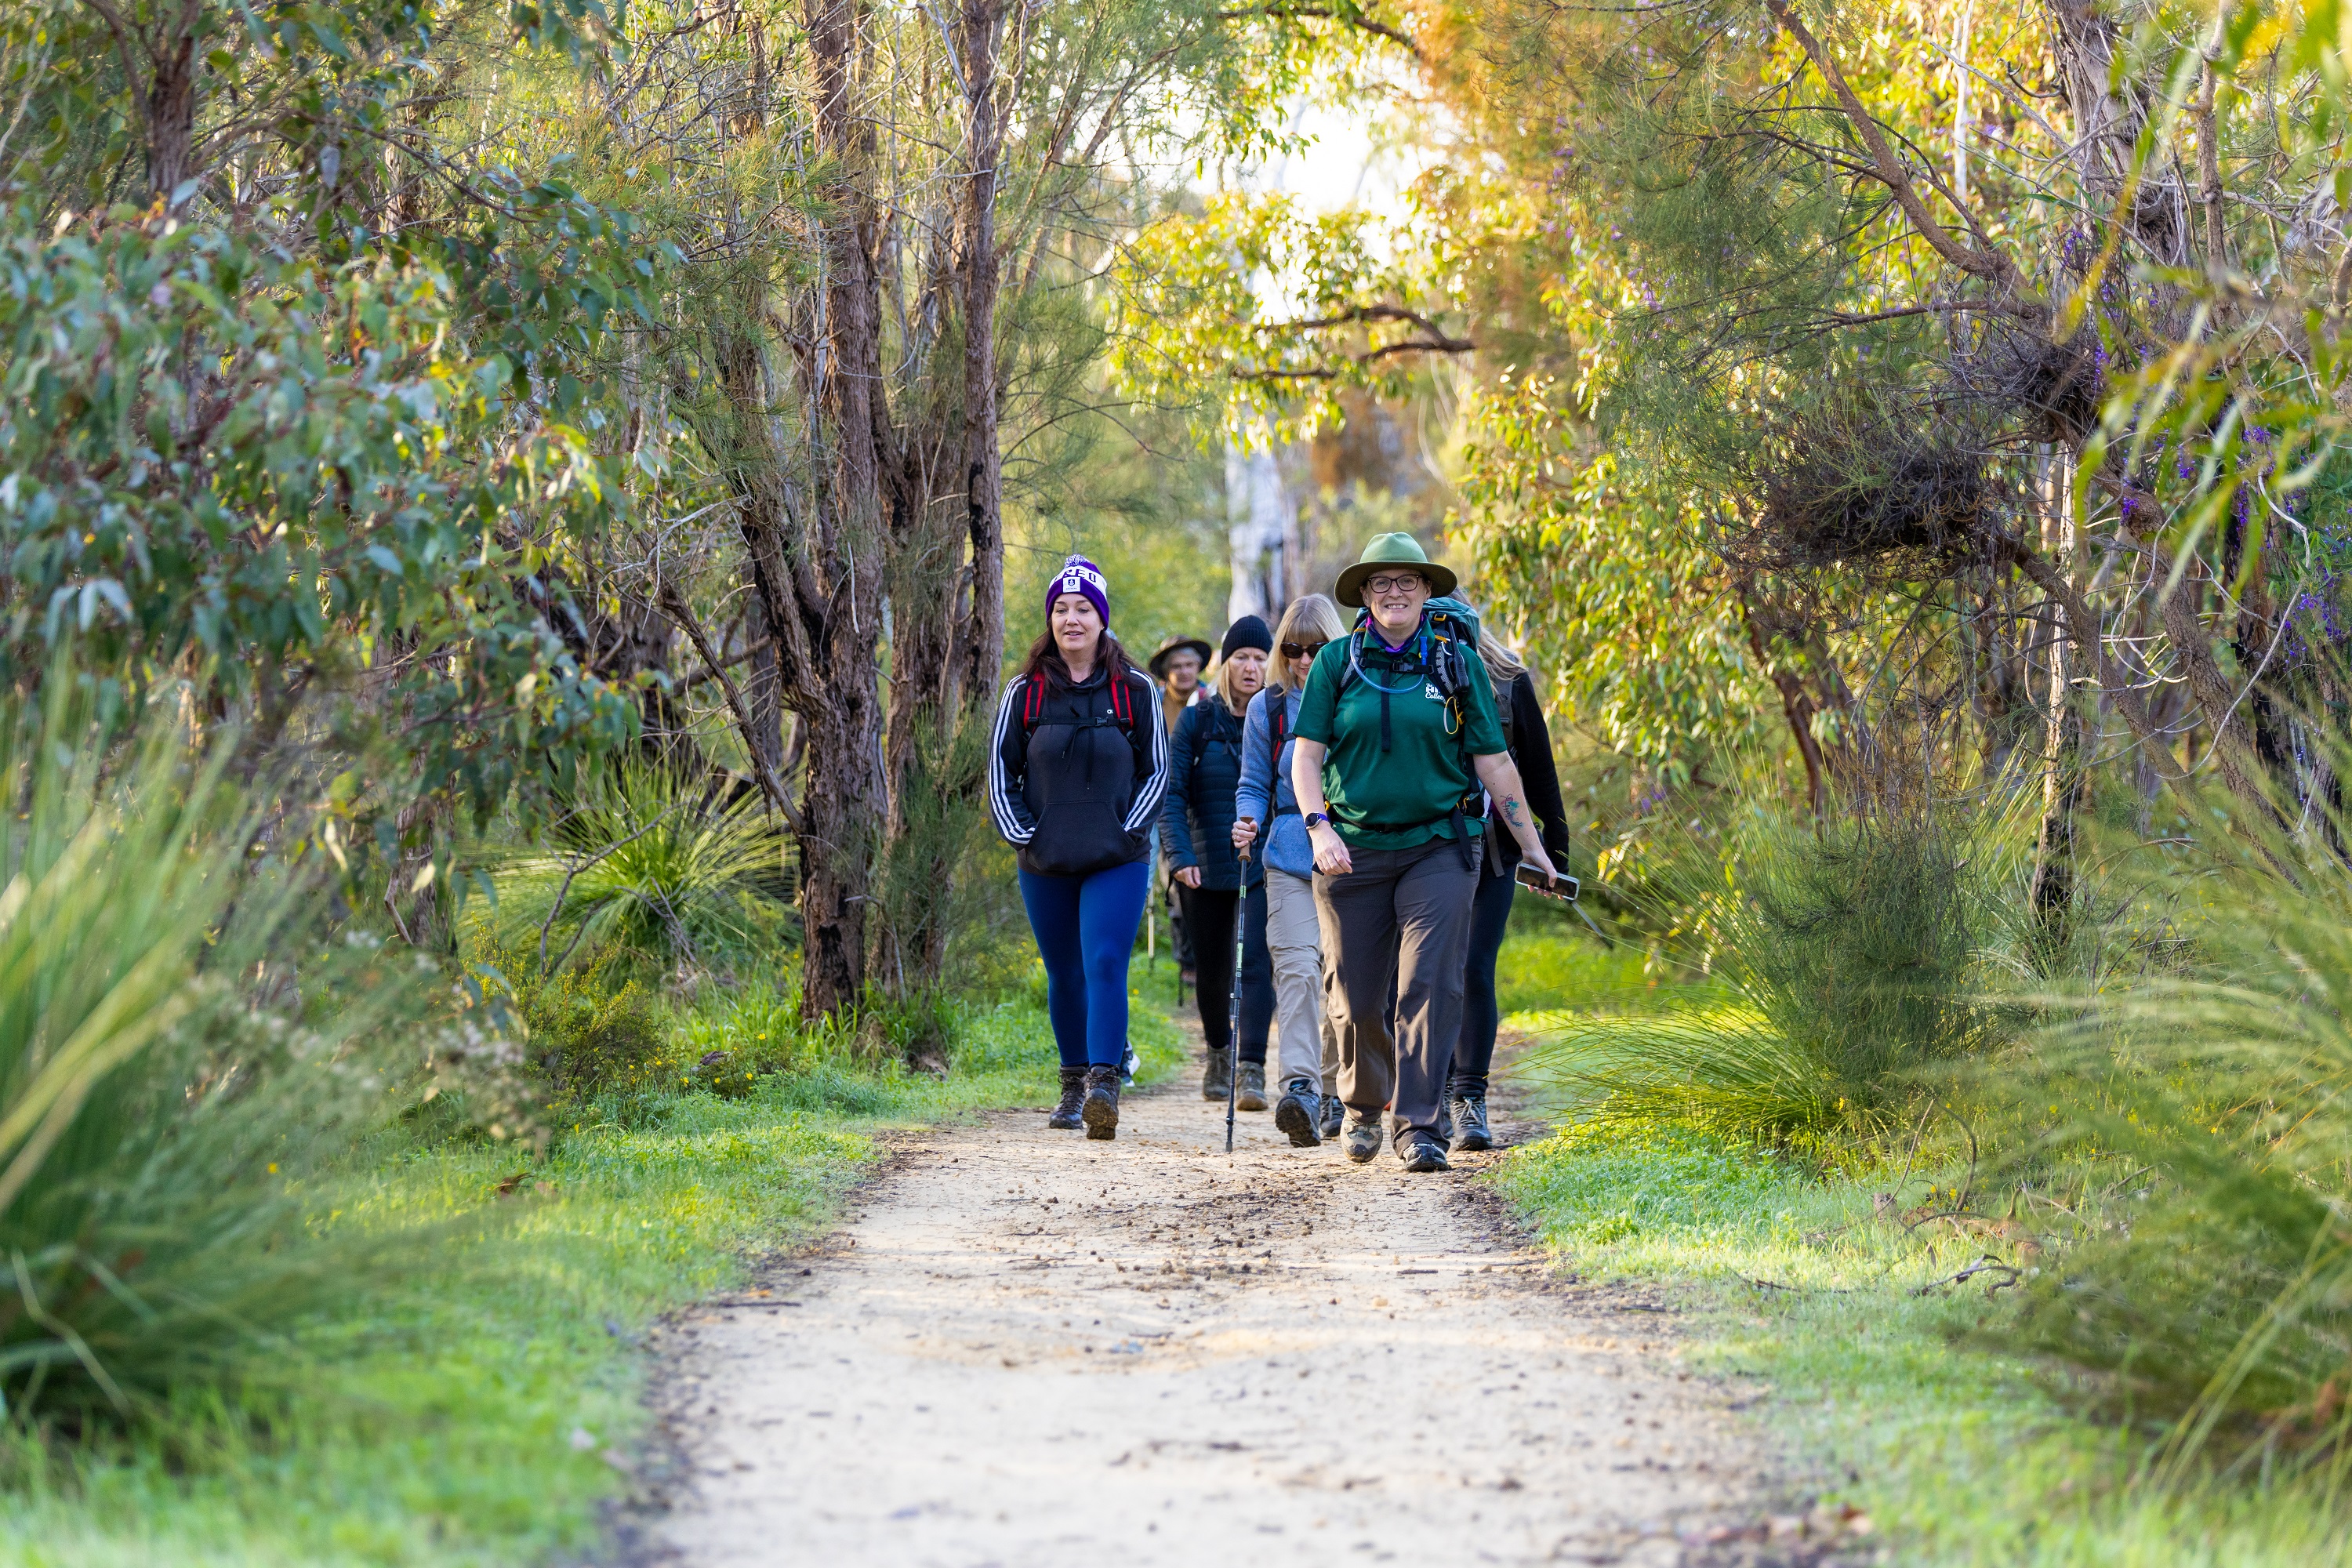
[(1307, 1044), (1401, 915)]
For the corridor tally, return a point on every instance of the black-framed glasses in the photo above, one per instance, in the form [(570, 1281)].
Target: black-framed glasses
[(1301, 650), (1395, 584)]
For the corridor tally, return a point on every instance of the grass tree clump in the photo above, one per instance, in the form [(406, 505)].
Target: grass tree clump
[(1846, 961), (183, 1067), (2214, 1286), (650, 871)]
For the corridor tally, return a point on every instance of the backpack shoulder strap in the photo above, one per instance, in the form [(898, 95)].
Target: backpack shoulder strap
[(1033, 702)]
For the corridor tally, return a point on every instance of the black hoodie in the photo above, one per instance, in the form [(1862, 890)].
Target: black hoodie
[(1073, 785)]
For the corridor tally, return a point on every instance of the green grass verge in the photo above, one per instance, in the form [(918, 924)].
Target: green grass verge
[(1799, 1293), (466, 1421)]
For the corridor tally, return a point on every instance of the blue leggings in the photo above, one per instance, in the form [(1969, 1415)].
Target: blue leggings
[(1085, 929)]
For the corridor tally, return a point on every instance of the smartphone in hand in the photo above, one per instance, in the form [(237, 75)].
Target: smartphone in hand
[(1562, 888)]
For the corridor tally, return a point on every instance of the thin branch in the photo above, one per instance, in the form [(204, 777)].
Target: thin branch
[(674, 606), (1348, 16)]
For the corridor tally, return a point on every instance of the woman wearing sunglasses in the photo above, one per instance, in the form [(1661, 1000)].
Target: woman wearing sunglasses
[(1307, 1054), (1398, 747)]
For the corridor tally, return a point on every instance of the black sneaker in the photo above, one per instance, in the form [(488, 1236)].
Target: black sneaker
[(1422, 1152), (1129, 1065), (1363, 1135), (1073, 1090), (1334, 1115), (1100, 1110), (1298, 1114), (1471, 1133), (1444, 1121)]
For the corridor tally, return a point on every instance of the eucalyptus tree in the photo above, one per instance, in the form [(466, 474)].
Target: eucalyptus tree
[(1990, 352), (894, 223), (298, 393)]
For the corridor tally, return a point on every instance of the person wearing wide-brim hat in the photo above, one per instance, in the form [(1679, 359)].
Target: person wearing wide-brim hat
[(1177, 665), (1397, 736)]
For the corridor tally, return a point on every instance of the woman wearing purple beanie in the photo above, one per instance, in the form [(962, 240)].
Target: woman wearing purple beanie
[(1075, 777)]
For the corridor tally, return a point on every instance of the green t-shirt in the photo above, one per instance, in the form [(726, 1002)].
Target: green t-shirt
[(1402, 798)]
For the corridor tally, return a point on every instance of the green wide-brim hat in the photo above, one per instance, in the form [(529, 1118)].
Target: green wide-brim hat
[(1391, 550)]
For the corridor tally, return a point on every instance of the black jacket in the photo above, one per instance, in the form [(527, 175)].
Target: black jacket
[(1530, 743), (1075, 773), (1204, 769)]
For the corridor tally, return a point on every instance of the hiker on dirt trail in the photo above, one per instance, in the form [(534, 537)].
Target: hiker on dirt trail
[(1177, 665), (1309, 1110), (1196, 832), (1397, 732), (1528, 740), (1075, 782)]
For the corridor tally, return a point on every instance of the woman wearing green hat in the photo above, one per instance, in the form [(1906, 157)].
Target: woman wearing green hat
[(1397, 733)]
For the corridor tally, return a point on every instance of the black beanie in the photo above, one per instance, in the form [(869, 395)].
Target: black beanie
[(1250, 631)]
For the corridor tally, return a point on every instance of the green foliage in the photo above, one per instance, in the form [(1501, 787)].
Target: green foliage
[(1825, 1319), (220, 455), (651, 871), (2208, 1106), (182, 1065), (1846, 962), (1606, 581)]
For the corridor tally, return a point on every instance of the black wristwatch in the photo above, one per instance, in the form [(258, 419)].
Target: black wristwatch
[(1315, 819)]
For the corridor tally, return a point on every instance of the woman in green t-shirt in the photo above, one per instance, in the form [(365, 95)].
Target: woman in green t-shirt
[(1396, 735)]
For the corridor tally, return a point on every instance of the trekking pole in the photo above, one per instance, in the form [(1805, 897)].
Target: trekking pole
[(1234, 1006)]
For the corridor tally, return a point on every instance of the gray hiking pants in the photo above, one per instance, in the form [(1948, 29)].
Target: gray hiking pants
[(1401, 915)]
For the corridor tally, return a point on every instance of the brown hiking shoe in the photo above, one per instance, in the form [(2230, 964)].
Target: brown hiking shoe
[(1100, 1109), (1219, 1076), (1073, 1090), (1250, 1093)]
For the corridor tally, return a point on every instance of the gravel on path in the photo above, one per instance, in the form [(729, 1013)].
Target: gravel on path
[(1028, 1349)]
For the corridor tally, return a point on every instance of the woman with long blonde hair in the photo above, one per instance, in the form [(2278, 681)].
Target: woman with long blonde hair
[(1309, 1110)]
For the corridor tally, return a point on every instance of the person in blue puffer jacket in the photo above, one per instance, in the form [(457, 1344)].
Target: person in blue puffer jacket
[(1309, 1110), (1217, 887)]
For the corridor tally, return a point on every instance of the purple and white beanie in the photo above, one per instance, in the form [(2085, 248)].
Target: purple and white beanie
[(1080, 575)]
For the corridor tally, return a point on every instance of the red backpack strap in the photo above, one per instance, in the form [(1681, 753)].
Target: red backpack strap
[(1032, 702), (1122, 700)]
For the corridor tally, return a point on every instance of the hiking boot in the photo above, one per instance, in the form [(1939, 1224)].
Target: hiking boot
[(1219, 1076), (1420, 1153), (1334, 1113), (1444, 1121), (1471, 1133), (1363, 1135), (1298, 1114), (1100, 1110), (1250, 1093), (1128, 1066), (1073, 1090)]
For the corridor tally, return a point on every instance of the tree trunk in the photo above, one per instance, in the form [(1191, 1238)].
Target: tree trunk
[(948, 630), (982, 653), (836, 675), (2052, 892)]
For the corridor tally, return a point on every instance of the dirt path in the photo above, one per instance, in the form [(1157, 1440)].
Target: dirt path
[(1030, 1350)]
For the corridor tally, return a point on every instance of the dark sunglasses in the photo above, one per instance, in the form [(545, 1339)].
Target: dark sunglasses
[(1301, 650)]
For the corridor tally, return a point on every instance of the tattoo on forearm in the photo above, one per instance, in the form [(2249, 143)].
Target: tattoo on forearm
[(1511, 809)]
